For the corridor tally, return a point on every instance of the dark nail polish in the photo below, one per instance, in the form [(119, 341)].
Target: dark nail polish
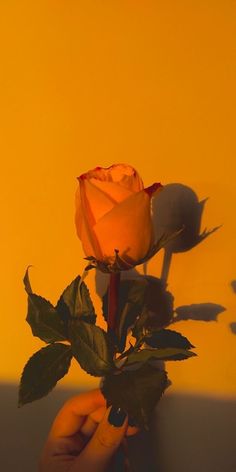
[(131, 422), (116, 416)]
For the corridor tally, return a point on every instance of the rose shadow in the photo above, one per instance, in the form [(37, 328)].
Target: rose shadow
[(176, 207), (232, 325)]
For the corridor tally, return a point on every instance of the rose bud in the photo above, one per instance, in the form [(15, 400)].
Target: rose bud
[(113, 212)]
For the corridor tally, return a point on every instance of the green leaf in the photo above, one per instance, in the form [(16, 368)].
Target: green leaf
[(158, 311), (75, 301), (131, 301), (42, 372), (137, 330), (26, 281), (166, 338), (42, 317), (136, 392), (91, 348), (160, 304), (44, 320), (168, 354)]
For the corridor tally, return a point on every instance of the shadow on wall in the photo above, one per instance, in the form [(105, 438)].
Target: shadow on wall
[(189, 434), (233, 324), (175, 207), (192, 433), (24, 430), (195, 434)]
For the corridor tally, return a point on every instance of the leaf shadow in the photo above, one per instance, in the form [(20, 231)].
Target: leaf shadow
[(198, 312), (232, 325), (233, 285)]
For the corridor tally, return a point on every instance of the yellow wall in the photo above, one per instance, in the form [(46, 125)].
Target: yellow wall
[(86, 83)]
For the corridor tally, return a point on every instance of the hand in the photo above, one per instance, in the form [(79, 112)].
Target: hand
[(84, 435)]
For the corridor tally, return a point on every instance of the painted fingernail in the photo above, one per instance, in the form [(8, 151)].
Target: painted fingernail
[(116, 416), (131, 422)]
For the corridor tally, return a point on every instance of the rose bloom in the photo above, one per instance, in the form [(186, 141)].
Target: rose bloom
[(113, 212)]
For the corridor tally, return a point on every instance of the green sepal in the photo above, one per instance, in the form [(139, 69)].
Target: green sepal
[(42, 372)]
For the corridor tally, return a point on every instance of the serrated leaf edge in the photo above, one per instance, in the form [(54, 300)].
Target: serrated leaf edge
[(22, 403)]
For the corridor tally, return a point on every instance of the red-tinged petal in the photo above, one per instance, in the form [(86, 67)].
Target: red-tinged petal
[(153, 188), (127, 177), (122, 174)]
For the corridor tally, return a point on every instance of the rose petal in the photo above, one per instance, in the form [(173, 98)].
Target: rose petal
[(84, 222), (78, 213), (153, 189), (123, 174), (98, 202), (127, 227), (127, 176), (114, 190), (88, 242)]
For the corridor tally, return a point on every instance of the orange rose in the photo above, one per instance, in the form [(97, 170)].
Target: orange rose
[(113, 212)]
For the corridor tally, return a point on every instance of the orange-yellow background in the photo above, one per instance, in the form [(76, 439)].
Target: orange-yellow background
[(86, 83)]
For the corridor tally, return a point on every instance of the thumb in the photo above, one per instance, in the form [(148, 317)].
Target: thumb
[(99, 450)]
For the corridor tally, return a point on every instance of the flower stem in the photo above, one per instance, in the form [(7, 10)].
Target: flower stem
[(113, 300), (113, 303)]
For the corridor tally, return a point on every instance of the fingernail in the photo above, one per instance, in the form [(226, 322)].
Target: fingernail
[(116, 416), (131, 422)]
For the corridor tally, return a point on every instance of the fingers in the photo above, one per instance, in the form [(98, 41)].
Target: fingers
[(89, 427), (90, 424), (103, 444), (64, 433), (82, 417), (98, 415), (71, 417)]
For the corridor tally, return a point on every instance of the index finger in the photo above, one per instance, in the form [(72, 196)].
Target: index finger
[(71, 417)]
